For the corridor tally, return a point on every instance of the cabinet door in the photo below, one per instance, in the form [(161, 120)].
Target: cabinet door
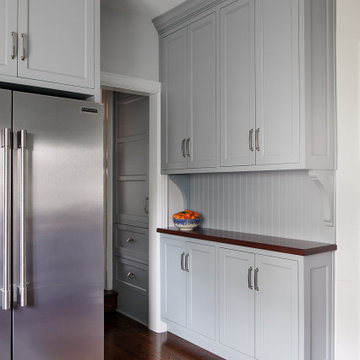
[(276, 309), (201, 289), (58, 41), (202, 79), (173, 280), (8, 37), (236, 300), (175, 100), (237, 83), (277, 69)]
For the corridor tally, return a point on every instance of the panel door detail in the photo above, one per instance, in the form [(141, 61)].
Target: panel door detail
[(201, 295), (173, 281), (277, 69), (202, 80), (8, 37), (236, 300), (276, 309), (237, 83), (175, 100), (64, 222), (57, 41), (5, 314)]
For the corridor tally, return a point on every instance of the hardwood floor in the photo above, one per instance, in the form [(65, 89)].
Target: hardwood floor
[(126, 339)]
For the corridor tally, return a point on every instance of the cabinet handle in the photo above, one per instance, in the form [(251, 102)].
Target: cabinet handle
[(187, 262), (251, 145), (130, 275), (14, 45), (130, 240), (256, 285), (183, 148), (182, 265), (23, 36), (249, 278), (188, 147), (257, 143), (146, 208)]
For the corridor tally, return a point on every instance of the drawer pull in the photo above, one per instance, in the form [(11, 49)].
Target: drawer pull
[(187, 268), (182, 262), (251, 146), (130, 240), (130, 275)]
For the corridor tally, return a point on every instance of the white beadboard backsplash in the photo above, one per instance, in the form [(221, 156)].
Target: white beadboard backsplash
[(279, 203)]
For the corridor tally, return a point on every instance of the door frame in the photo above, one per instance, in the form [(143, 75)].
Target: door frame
[(158, 184)]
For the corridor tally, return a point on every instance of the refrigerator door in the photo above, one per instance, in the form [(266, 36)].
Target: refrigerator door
[(59, 210), (5, 315)]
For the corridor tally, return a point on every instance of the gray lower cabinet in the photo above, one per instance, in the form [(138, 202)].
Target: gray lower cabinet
[(188, 285), (131, 283), (245, 303)]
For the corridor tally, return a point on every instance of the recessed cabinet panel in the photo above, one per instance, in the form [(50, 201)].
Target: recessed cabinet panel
[(173, 280), (8, 37), (201, 289), (237, 83), (202, 73), (56, 39), (276, 309), (277, 69), (236, 300), (175, 102)]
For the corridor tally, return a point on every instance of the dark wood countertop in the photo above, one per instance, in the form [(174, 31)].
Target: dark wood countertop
[(271, 243)]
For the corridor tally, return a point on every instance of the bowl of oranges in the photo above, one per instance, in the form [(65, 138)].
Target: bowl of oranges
[(186, 220)]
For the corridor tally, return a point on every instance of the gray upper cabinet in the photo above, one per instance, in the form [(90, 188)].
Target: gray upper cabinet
[(277, 75), (257, 84), (237, 82), (8, 37), (202, 78), (189, 97), (174, 100)]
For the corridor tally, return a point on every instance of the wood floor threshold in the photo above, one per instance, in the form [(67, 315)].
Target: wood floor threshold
[(126, 339)]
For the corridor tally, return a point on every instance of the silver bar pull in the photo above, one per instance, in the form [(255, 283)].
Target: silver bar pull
[(251, 145), (183, 148), (146, 207), (187, 269), (14, 45), (256, 285), (130, 275), (22, 198), (257, 143), (182, 264), (23, 36), (188, 147), (5, 291), (249, 278), (130, 240)]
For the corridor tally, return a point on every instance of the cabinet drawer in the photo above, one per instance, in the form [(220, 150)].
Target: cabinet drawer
[(131, 273), (131, 241)]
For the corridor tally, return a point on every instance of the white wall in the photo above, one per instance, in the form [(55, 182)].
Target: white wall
[(129, 43), (347, 328)]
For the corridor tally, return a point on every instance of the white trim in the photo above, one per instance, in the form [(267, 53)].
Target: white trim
[(128, 84), (157, 183)]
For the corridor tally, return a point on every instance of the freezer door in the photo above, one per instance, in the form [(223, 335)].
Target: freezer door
[(5, 314), (58, 214)]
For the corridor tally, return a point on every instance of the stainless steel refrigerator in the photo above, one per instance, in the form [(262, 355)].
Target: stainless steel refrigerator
[(51, 228)]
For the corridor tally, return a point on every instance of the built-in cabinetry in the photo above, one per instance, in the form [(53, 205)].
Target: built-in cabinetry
[(131, 234), (244, 302), (247, 85), (49, 44)]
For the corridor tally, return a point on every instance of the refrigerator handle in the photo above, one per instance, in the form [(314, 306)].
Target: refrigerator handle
[(22, 198), (6, 145)]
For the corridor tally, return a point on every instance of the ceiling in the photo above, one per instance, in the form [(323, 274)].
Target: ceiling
[(148, 7)]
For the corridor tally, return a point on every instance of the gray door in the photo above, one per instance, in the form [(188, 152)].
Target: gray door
[(5, 314), (63, 318)]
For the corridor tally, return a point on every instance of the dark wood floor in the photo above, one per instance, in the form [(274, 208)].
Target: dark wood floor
[(129, 340)]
